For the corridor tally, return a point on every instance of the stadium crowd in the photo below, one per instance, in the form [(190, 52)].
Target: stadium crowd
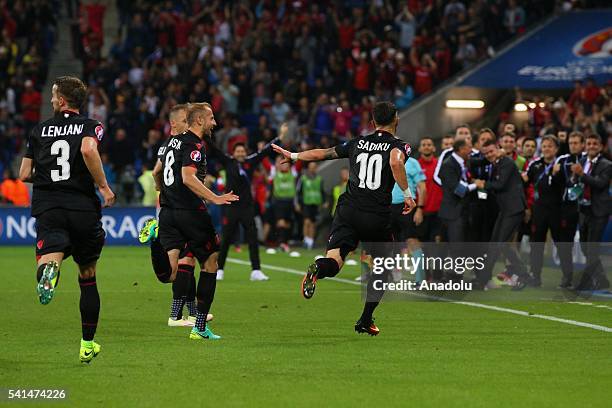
[(28, 34), (318, 65)]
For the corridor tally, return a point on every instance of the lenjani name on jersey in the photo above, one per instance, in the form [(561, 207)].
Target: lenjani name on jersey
[(66, 130), (371, 146)]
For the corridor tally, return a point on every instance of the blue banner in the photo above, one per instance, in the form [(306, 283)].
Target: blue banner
[(121, 225), (573, 46)]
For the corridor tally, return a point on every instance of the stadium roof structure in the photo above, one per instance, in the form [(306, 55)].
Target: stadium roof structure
[(572, 46)]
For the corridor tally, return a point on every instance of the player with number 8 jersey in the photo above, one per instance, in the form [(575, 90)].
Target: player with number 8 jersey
[(183, 219), (63, 163)]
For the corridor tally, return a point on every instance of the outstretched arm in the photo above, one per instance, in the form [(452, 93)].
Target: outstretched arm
[(257, 157), (192, 182), (308, 155)]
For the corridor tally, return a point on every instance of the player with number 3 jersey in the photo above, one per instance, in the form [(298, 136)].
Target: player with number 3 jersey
[(363, 211), (63, 163)]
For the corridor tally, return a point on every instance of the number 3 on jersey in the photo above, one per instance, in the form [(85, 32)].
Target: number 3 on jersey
[(61, 149), (370, 168), (168, 173)]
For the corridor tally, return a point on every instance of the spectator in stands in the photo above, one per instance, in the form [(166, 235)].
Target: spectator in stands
[(31, 102), (407, 26), (514, 18), (278, 111), (230, 94), (424, 72), (98, 105), (466, 53)]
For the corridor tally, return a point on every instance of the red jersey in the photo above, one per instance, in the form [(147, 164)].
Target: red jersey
[(434, 192), (31, 102), (423, 80)]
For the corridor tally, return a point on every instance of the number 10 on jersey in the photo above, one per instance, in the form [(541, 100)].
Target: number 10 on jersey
[(370, 168)]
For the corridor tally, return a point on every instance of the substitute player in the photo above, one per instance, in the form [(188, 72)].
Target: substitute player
[(63, 163), (363, 211), (239, 168), (183, 219)]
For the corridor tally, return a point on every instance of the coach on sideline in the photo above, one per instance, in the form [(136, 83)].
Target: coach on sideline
[(594, 172), (507, 186)]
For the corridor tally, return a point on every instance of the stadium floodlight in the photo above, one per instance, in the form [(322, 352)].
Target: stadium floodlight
[(520, 107), (465, 104)]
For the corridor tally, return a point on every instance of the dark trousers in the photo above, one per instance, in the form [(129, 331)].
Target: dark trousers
[(455, 233), (455, 229), (503, 230), (562, 229), (591, 232), (482, 215), (432, 233), (240, 215)]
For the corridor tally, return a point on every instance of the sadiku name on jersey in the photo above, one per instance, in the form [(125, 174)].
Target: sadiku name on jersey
[(66, 130), (373, 147)]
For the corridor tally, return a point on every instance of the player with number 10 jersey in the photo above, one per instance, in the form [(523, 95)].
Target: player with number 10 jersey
[(363, 211)]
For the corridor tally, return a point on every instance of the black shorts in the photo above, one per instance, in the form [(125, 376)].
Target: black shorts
[(193, 229), (351, 226), (310, 212), (431, 227), (283, 210), (76, 233), (403, 225)]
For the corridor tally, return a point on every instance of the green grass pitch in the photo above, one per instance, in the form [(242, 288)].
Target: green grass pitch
[(281, 350)]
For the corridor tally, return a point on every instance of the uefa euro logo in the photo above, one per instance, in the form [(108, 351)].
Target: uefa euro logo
[(596, 45)]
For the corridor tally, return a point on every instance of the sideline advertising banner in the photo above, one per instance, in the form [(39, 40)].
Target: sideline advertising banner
[(121, 225)]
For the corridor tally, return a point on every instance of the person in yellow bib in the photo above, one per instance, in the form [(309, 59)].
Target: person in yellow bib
[(283, 194), (309, 198), (340, 188)]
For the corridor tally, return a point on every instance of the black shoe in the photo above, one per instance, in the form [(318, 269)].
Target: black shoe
[(523, 281), (477, 284), (366, 327), (586, 283), (567, 285), (532, 281), (310, 280), (602, 283)]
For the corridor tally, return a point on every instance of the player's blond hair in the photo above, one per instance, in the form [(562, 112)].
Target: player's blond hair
[(195, 110), (176, 109)]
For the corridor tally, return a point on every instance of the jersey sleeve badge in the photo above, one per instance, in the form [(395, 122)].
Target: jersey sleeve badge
[(407, 149), (99, 131), (196, 156)]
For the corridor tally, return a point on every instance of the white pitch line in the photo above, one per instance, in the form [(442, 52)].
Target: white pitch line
[(472, 304)]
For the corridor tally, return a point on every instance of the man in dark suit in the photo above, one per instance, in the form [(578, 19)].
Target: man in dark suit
[(507, 187), (455, 180), (594, 172)]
